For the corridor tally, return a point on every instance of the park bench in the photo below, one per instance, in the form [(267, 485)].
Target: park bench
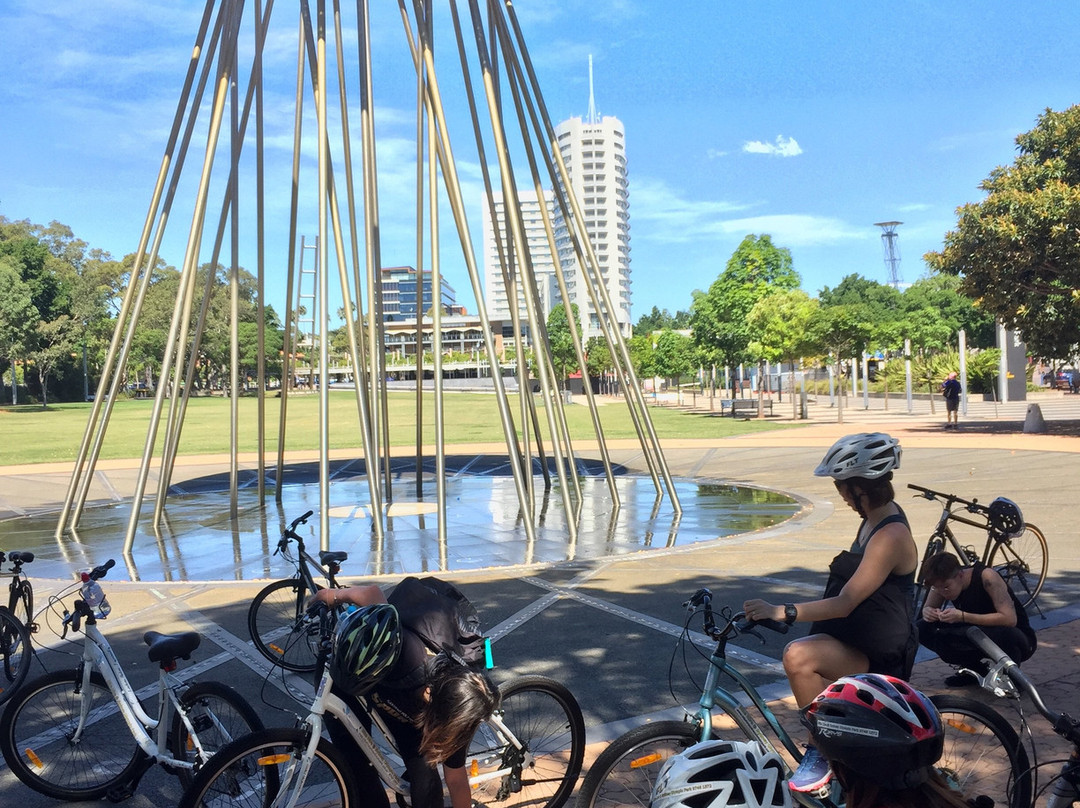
[(746, 405)]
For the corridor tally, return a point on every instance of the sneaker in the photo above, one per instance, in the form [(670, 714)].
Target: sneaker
[(813, 774), (959, 679)]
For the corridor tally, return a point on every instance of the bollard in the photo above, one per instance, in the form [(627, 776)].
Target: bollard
[(1034, 421)]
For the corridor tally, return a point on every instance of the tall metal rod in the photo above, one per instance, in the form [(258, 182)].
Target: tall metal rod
[(373, 259), (190, 263), (115, 356), (260, 252), (421, 143), (552, 409), (522, 102), (631, 390), (287, 342), (506, 254), (457, 205), (234, 295), (323, 280)]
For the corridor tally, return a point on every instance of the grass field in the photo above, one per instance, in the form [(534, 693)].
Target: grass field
[(31, 434)]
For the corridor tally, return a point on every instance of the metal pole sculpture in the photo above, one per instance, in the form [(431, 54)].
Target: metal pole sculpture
[(227, 65)]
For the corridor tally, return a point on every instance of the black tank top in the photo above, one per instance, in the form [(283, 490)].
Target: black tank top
[(977, 600)]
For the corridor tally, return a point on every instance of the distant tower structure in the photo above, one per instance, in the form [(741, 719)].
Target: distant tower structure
[(892, 251)]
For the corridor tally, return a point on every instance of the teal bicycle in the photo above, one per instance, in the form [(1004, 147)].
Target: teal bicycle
[(983, 754)]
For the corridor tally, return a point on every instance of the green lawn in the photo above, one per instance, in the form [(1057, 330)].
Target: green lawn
[(32, 435)]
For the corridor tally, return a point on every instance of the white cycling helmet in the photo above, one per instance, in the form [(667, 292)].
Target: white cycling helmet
[(868, 455), (722, 774)]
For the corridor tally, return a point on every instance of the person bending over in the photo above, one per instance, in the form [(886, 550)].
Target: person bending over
[(971, 596), (865, 622), (432, 706)]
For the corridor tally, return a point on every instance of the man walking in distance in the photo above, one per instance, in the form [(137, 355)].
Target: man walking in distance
[(950, 389)]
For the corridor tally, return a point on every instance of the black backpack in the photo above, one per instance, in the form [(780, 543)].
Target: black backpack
[(437, 612)]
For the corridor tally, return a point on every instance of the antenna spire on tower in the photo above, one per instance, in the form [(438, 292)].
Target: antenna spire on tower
[(592, 99), (892, 251)]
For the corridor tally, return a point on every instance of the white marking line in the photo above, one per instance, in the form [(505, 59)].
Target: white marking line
[(749, 657)]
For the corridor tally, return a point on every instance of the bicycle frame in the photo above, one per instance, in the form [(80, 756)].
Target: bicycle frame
[(97, 653), (326, 703)]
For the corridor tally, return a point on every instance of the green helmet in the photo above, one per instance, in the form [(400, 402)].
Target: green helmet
[(366, 645)]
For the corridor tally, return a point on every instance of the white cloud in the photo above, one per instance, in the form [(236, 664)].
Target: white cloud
[(783, 147), (796, 229), (914, 207), (714, 154)]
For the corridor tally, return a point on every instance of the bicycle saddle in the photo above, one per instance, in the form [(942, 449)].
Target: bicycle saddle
[(20, 557), (165, 647), (326, 556)]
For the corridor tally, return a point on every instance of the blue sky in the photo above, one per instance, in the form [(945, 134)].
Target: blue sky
[(806, 120)]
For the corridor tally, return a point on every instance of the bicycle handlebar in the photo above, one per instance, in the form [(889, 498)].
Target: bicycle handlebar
[(290, 532), (100, 571), (1064, 724), (738, 621), (928, 493)]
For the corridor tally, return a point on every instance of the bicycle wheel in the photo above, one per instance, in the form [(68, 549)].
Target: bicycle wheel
[(37, 737), (218, 714), (278, 627), (250, 772), (16, 653), (983, 754), (1022, 562), (625, 772), (546, 720), (22, 606)]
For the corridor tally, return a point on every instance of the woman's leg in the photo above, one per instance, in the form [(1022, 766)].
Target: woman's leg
[(813, 662)]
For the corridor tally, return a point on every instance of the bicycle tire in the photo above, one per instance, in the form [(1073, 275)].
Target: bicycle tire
[(219, 715), (16, 652), (626, 771), (983, 754), (249, 772), (277, 627), (22, 604), (545, 717), (34, 738), (1022, 562)]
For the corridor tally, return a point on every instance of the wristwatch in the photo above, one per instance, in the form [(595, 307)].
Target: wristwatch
[(791, 614)]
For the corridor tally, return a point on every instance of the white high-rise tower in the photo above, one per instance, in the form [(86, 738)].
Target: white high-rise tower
[(594, 151)]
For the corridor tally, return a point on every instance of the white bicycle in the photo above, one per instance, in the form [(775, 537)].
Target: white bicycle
[(528, 752), (83, 734)]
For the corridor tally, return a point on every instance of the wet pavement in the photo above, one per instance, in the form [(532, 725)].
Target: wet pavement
[(606, 626)]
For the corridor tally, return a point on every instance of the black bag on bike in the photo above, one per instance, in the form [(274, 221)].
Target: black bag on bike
[(881, 626), (438, 612)]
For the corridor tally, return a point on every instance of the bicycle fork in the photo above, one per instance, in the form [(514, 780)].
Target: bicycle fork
[(1065, 788)]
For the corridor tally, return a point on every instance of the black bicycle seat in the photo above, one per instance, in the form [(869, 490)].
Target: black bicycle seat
[(326, 556), (165, 647), (21, 557)]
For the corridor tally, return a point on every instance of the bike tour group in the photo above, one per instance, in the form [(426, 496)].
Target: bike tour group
[(407, 667)]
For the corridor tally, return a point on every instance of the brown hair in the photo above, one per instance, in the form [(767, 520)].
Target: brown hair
[(940, 568), (878, 491), (460, 699)]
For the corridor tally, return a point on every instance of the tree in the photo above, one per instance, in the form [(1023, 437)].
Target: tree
[(719, 317), (54, 341), (658, 320), (673, 357), (1017, 251), (782, 324), (940, 297), (560, 340), (17, 316)]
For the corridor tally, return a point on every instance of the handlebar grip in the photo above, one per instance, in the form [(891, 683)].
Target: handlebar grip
[(301, 520), (986, 645), (100, 571), (920, 488), (774, 625)]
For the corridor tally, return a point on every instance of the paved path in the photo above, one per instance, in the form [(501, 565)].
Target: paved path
[(607, 627)]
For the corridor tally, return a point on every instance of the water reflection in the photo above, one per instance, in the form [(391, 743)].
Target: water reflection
[(198, 541)]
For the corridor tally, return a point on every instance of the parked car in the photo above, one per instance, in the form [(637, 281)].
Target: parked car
[(1066, 379)]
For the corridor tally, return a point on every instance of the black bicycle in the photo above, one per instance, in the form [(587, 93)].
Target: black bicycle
[(1015, 549), (1005, 680), (276, 619), (16, 625)]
